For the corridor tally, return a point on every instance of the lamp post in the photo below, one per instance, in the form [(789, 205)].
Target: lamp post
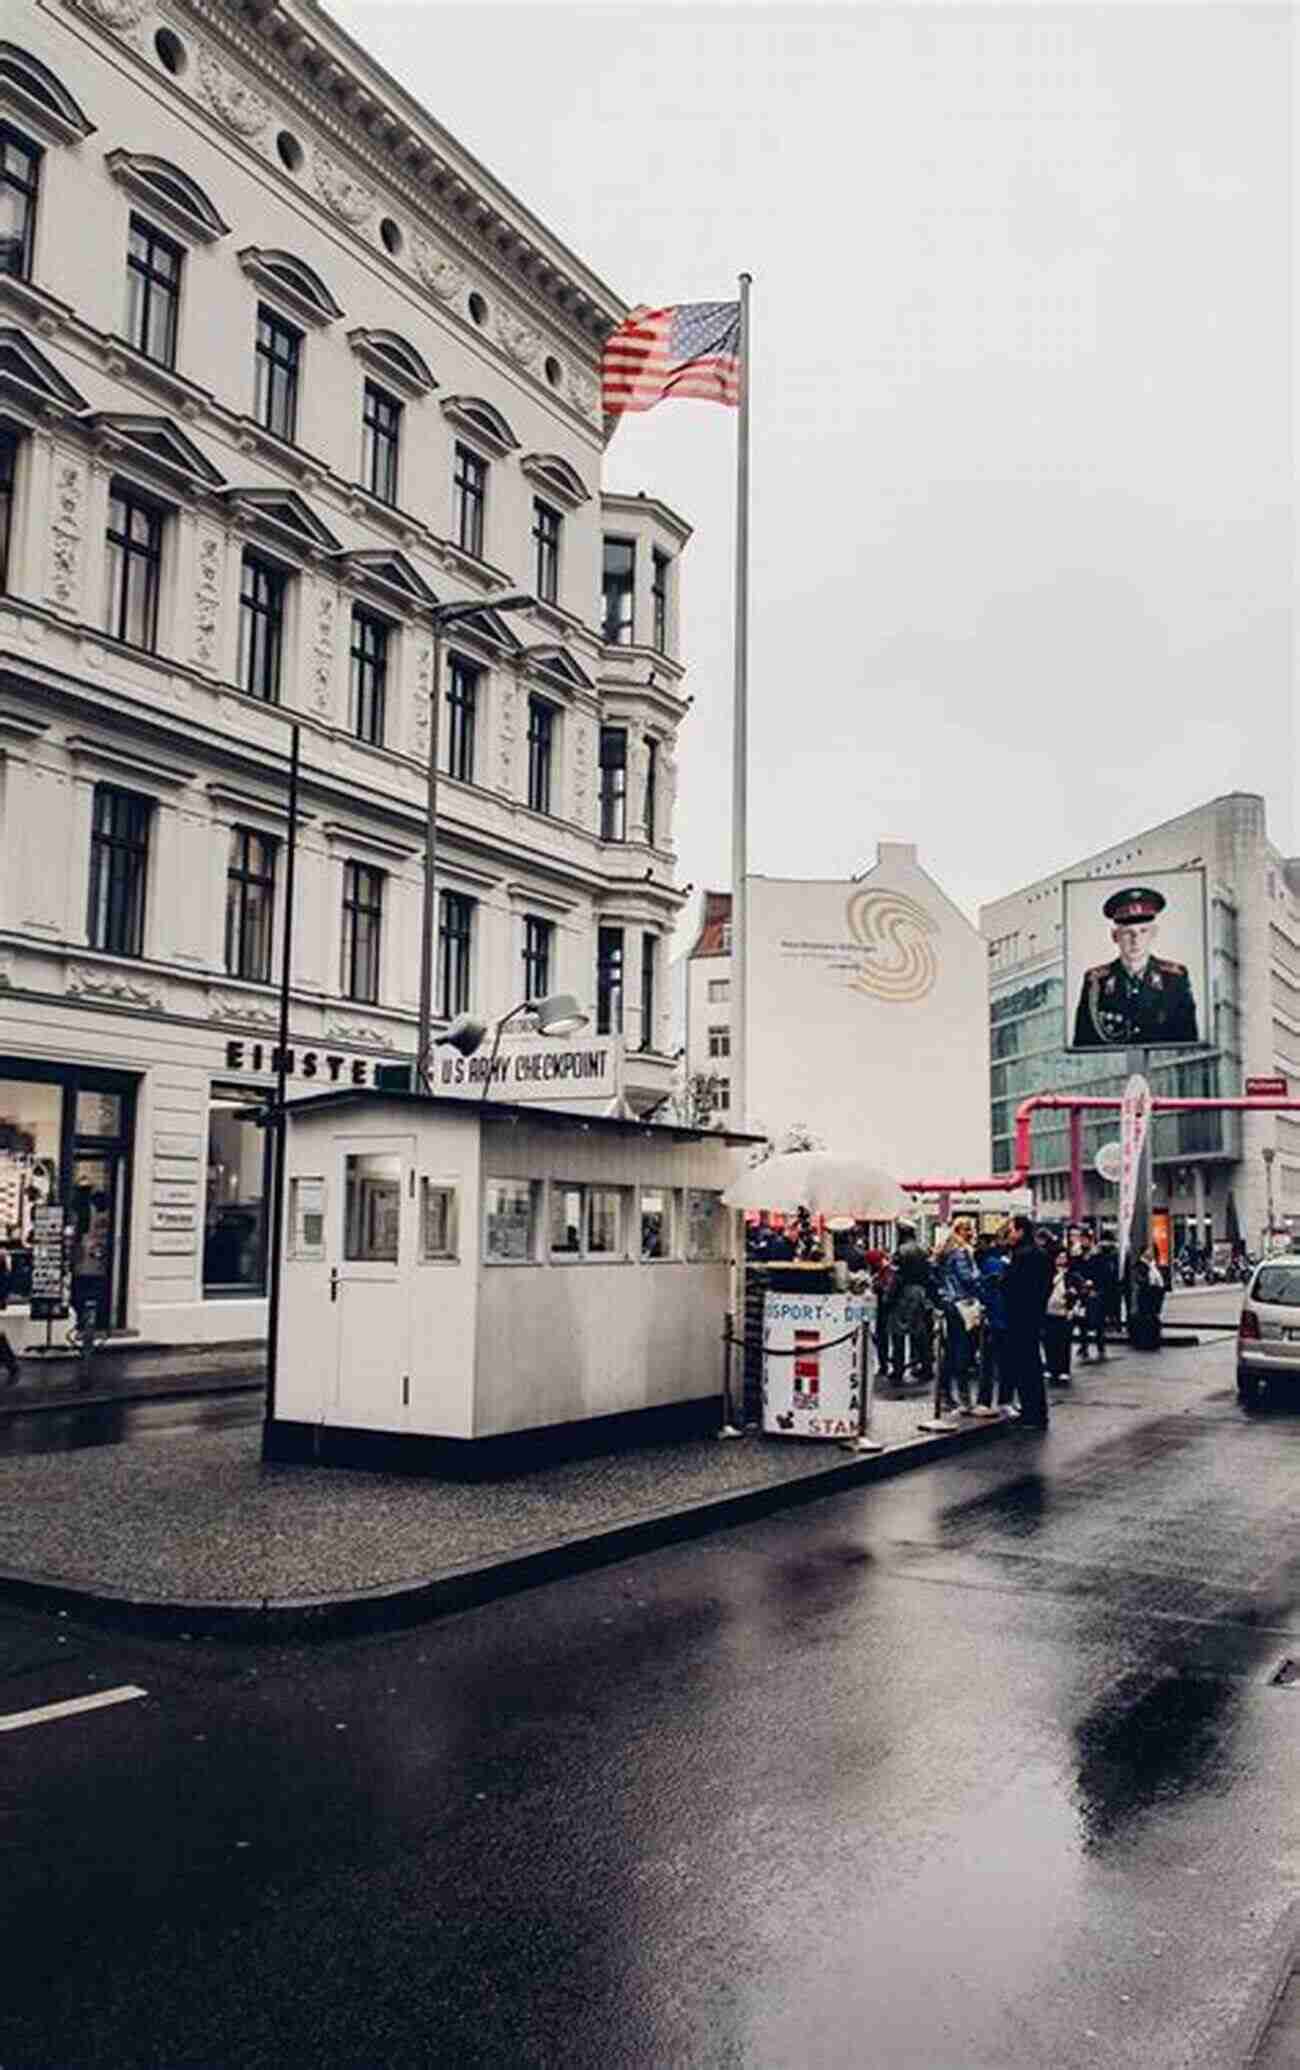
[(1269, 1154), (440, 615)]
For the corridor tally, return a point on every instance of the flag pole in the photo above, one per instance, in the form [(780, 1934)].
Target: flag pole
[(739, 859), (740, 741)]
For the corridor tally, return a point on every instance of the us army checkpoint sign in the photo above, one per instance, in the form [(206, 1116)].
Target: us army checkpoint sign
[(1136, 963)]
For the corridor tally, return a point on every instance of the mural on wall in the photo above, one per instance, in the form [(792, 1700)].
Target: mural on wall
[(900, 959)]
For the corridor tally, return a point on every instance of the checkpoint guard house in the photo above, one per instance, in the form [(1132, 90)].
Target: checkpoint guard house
[(461, 1269)]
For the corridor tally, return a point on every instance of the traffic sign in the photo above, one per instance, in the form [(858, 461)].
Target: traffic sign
[(1266, 1088)]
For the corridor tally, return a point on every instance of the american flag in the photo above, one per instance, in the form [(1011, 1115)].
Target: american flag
[(657, 354)]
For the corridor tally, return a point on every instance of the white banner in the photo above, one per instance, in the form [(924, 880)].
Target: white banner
[(814, 1392), (1134, 1120), (557, 1069)]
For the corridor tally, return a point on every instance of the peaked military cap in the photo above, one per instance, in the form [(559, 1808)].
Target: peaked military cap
[(1137, 902)]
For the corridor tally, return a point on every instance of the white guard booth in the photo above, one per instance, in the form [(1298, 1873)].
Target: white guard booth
[(456, 1272)]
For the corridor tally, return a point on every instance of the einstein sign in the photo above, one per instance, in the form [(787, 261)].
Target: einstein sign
[(536, 1068)]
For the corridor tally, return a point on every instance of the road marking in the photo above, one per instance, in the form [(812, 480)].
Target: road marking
[(15, 1720)]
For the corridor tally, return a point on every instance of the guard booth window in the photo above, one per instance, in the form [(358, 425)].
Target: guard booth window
[(372, 1208)]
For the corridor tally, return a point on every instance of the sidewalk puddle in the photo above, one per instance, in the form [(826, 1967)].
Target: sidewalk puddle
[(84, 1425)]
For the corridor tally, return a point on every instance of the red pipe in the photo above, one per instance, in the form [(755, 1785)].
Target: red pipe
[(1007, 1182)]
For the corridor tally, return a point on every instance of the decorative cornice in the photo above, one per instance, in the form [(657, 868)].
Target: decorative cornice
[(40, 99), (400, 144), (28, 377), (339, 835), (482, 422), (112, 754), (362, 1033), (231, 99), (392, 356), (115, 14), (250, 1011), (124, 360), (168, 192), (17, 726), (353, 203), (291, 280), (108, 981), (553, 473)]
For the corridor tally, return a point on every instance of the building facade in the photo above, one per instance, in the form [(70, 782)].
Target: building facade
[(282, 371), (1212, 1176), (706, 998), (866, 1019)]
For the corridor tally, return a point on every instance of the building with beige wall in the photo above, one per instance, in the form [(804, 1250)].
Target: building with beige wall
[(866, 1019), (282, 368)]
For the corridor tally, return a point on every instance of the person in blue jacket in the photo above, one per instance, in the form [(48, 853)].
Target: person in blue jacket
[(958, 1283), (995, 1377)]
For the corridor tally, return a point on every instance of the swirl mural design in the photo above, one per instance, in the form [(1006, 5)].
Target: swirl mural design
[(894, 932)]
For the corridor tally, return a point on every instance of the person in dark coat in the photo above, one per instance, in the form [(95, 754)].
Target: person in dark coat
[(1025, 1288), (1090, 1271), (911, 1309)]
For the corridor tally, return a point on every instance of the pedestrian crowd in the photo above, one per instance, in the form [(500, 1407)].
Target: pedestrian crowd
[(988, 1321)]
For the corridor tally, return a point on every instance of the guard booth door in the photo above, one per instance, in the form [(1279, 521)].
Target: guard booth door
[(370, 1281)]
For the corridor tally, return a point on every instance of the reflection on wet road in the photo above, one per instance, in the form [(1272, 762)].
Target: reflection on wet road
[(976, 1769)]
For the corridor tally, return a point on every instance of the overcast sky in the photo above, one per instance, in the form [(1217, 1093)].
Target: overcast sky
[(1022, 425)]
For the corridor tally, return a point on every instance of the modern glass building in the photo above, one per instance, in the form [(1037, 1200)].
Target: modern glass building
[(1211, 1177)]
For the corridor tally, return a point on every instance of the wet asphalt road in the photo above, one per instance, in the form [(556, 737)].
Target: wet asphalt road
[(979, 1767)]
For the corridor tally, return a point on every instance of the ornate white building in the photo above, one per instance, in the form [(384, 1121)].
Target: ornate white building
[(281, 369)]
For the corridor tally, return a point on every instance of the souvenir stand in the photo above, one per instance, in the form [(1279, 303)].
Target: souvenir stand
[(808, 1338)]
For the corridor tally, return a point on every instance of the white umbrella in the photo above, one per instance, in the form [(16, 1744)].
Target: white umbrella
[(826, 1182)]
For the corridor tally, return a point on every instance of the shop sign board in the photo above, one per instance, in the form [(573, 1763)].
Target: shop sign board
[(812, 1357), (1266, 1088), (49, 1290)]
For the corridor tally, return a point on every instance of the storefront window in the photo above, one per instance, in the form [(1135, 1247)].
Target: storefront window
[(510, 1219), (31, 1127), (235, 1220)]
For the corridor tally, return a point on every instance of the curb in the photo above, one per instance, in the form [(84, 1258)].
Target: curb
[(464, 1588)]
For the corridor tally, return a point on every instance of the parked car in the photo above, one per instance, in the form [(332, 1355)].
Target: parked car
[(1268, 1335)]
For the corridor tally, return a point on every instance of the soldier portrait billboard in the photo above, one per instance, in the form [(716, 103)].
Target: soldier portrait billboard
[(1136, 965)]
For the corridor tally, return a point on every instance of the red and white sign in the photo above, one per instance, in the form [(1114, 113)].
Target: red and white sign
[(1134, 1121), (1266, 1088)]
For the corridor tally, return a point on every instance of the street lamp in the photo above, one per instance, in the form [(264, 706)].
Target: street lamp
[(558, 1014), (1269, 1154), (440, 615)]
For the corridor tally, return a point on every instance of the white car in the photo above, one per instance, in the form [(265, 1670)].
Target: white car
[(1268, 1335)]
